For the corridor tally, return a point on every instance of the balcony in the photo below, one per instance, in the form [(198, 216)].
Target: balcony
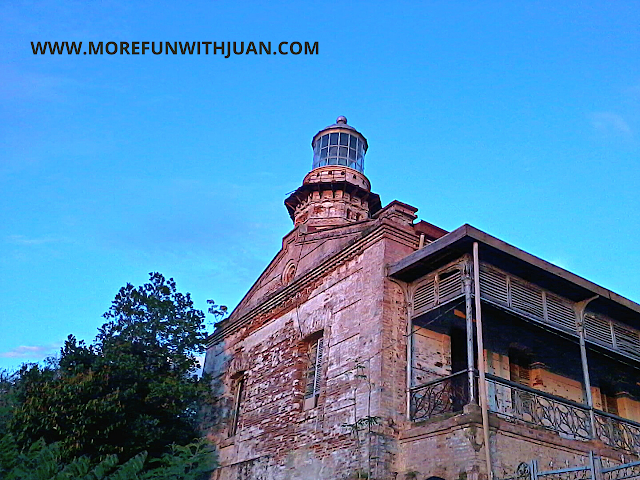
[(518, 403), (444, 395)]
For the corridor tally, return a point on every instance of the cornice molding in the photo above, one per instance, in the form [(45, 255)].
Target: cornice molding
[(385, 229)]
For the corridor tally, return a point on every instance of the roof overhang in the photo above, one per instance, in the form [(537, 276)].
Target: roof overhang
[(517, 262)]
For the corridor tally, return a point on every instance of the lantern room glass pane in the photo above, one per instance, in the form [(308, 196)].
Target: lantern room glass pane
[(339, 148)]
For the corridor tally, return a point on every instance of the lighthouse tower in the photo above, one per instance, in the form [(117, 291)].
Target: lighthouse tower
[(335, 192)]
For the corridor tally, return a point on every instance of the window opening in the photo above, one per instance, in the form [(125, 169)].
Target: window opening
[(609, 400), (237, 403), (459, 385), (520, 372), (458, 350), (314, 373), (520, 368)]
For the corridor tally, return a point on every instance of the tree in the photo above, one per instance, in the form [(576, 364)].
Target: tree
[(134, 389), (7, 399)]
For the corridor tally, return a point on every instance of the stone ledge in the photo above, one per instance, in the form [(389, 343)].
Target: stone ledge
[(472, 416)]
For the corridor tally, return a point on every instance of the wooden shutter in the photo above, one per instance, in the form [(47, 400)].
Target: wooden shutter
[(627, 339), (424, 297), (493, 285), (449, 285), (609, 403), (314, 369), (561, 313), (598, 329), (237, 402), (527, 298)]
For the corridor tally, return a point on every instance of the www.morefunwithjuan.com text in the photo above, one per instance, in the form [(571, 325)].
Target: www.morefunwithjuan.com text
[(224, 49)]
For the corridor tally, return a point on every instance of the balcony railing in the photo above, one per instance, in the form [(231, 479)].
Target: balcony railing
[(617, 432), (514, 402), (443, 395), (519, 402)]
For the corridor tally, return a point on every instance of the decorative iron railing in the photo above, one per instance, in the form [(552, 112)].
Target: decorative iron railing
[(597, 468), (515, 402), (522, 472), (519, 402), (575, 473), (443, 395), (530, 471), (617, 432), (622, 472)]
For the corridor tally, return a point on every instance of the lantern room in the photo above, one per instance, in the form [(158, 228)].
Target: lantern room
[(339, 144)]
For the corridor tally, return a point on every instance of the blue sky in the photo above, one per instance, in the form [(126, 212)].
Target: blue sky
[(520, 118)]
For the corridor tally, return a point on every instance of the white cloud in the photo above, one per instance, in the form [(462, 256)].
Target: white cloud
[(32, 352), (609, 122), (24, 240)]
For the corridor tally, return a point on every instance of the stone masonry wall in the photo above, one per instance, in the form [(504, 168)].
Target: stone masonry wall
[(275, 436), (361, 315)]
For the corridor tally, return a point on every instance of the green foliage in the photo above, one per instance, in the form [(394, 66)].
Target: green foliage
[(45, 462), (189, 462), (134, 389), (363, 423), (218, 311), (8, 454), (8, 400), (79, 411)]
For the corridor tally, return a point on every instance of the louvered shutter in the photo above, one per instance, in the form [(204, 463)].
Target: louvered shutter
[(627, 339), (560, 312), (424, 297), (313, 380), (493, 285), (526, 298), (598, 329), (449, 285), (318, 369)]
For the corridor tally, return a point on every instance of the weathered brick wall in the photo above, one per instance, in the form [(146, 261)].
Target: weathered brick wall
[(347, 305), (555, 384), (303, 251), (431, 355), (451, 449), (362, 315)]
